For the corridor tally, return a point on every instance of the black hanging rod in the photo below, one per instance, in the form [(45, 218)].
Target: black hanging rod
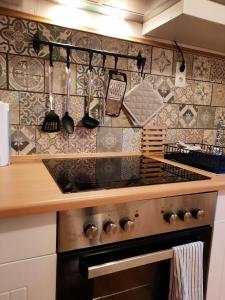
[(37, 43)]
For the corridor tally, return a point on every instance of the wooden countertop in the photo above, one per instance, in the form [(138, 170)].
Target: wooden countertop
[(26, 187)]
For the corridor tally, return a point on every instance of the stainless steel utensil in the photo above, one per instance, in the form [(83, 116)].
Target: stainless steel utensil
[(51, 122)]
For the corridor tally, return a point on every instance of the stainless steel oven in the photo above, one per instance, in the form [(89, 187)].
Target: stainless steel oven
[(124, 251)]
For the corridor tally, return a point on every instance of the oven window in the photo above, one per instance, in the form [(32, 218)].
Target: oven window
[(149, 282)]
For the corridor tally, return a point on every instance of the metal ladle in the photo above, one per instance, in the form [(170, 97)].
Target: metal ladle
[(67, 121), (88, 121)]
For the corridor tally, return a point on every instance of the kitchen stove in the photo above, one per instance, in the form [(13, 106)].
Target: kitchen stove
[(86, 174), (120, 251)]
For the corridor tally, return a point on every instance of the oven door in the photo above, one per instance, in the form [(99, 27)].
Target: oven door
[(136, 270)]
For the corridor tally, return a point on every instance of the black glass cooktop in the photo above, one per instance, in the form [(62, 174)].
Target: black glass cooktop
[(87, 174)]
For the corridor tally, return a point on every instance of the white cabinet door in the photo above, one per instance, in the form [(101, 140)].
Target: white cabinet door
[(27, 237), (31, 279)]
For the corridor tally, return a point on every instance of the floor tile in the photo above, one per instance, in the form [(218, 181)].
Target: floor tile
[(218, 95), (51, 143), (162, 61), (56, 34), (26, 73), (146, 51), (13, 99), (109, 139), (188, 116), (202, 93), (16, 35), (206, 116), (82, 140), (132, 139), (201, 68)]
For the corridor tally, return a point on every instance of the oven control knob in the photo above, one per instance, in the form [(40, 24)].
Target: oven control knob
[(110, 227), (127, 225), (184, 215), (198, 213), (90, 231), (170, 217)]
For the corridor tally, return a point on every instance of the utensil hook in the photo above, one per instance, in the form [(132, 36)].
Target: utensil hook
[(68, 58), (90, 61), (116, 61), (103, 62), (50, 55)]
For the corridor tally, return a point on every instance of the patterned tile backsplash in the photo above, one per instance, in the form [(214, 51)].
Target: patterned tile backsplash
[(191, 113)]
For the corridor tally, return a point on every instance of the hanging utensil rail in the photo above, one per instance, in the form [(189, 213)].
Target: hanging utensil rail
[(139, 58)]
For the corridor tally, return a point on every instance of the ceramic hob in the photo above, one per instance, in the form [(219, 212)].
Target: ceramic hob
[(95, 173)]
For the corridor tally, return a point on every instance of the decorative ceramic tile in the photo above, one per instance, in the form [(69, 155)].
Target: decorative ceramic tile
[(135, 79), (76, 110), (95, 42), (188, 116), (115, 46), (146, 51), (23, 140), (188, 63), (206, 116), (218, 71), (185, 135), (122, 120), (168, 116), (162, 61), (80, 39), (16, 35), (209, 137), (51, 143), (218, 95), (185, 95), (82, 140), (13, 99), (26, 73), (109, 139), (56, 34), (33, 107), (59, 78), (3, 79), (14, 139), (131, 139), (203, 93), (82, 81), (165, 87), (219, 115), (201, 68)]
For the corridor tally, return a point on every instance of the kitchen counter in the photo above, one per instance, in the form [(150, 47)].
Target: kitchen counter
[(26, 187)]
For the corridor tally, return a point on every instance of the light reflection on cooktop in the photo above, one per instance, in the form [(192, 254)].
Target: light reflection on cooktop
[(95, 173)]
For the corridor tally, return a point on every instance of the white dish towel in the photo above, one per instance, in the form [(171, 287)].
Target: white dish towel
[(186, 273)]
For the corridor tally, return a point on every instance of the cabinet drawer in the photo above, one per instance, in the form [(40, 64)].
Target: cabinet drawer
[(26, 237), (31, 279)]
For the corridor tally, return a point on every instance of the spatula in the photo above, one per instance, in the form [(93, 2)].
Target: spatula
[(51, 122)]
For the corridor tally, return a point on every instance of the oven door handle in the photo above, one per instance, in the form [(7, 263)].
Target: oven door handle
[(128, 263)]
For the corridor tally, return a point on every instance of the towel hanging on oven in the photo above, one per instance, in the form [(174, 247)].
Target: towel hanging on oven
[(186, 273)]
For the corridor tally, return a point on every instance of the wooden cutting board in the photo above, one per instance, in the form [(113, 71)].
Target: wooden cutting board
[(153, 140)]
